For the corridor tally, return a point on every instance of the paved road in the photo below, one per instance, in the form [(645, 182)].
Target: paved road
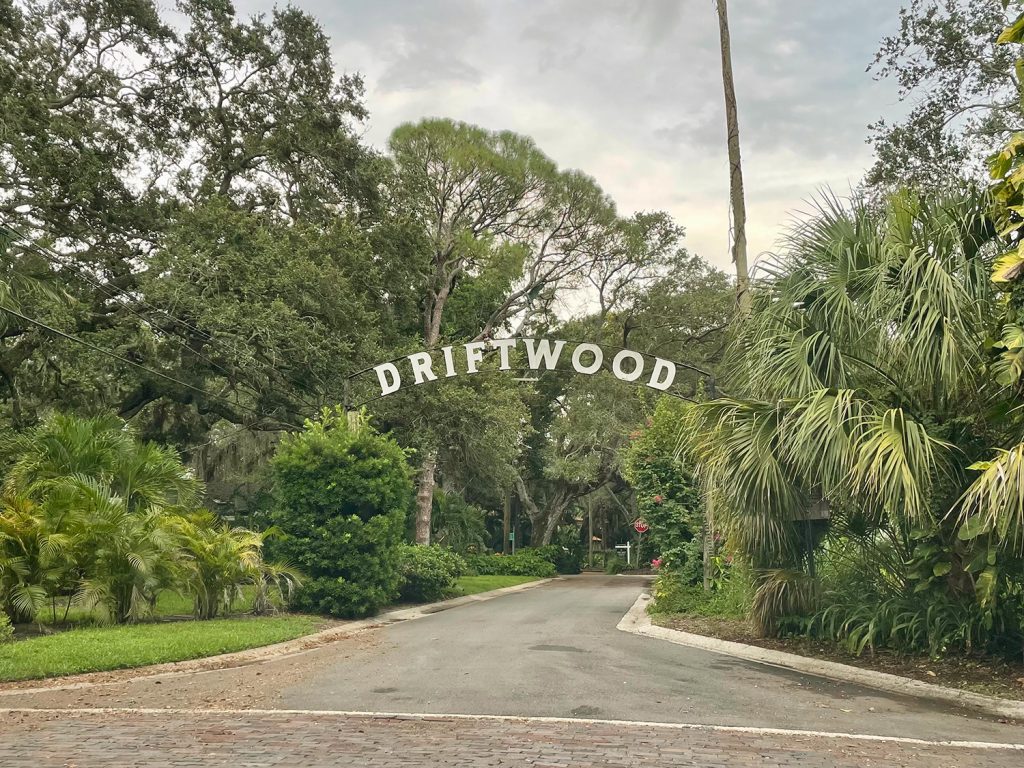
[(552, 651)]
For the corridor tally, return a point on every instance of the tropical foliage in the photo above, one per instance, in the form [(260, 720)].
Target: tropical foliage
[(91, 516), (526, 562), (860, 394), (666, 494), (428, 573)]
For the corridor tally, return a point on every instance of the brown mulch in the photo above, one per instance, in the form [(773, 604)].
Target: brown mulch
[(979, 674)]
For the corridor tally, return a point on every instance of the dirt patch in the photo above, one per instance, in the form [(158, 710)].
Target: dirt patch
[(979, 674)]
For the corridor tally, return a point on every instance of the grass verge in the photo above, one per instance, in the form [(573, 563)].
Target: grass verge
[(99, 649), (471, 585)]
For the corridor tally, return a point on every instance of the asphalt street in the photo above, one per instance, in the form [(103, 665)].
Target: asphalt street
[(554, 651), (550, 651)]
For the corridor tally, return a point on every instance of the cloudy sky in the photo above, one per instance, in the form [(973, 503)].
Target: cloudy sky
[(630, 92)]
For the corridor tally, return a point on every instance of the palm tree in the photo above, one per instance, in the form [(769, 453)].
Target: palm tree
[(861, 384), (36, 557), (737, 205), (101, 502), (457, 524), (103, 448), (126, 556)]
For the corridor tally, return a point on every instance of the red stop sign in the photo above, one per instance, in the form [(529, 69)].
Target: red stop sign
[(640, 525)]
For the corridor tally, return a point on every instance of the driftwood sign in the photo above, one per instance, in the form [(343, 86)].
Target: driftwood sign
[(540, 355)]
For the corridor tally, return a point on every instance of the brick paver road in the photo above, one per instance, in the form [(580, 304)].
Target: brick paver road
[(244, 739)]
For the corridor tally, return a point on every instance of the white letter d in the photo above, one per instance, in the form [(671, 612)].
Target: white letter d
[(384, 372)]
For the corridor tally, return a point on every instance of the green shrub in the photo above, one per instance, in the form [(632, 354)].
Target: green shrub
[(341, 500), (730, 599), (937, 625), (782, 596), (666, 493), (615, 565), (525, 562), (6, 630), (566, 559), (456, 524), (429, 573)]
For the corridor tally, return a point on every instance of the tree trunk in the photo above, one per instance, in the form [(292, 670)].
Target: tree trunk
[(506, 525), (738, 215), (737, 207), (425, 498), (550, 526), (709, 550)]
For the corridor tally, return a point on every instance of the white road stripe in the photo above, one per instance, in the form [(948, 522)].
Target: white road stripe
[(327, 713)]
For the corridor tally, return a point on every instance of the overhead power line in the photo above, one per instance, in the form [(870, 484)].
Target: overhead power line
[(60, 260), (147, 369), (114, 294)]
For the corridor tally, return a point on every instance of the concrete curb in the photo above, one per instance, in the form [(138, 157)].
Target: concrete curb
[(261, 655), (637, 622)]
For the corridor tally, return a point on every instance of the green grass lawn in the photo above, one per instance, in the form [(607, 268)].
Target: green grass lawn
[(96, 649), (471, 585)]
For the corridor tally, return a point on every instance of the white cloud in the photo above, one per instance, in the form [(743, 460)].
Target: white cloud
[(631, 92)]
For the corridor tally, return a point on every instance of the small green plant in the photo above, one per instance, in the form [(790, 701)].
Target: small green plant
[(566, 554), (783, 595), (6, 630), (428, 573), (614, 566), (731, 600), (220, 560)]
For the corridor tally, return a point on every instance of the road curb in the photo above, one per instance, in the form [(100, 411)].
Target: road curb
[(260, 655), (638, 622)]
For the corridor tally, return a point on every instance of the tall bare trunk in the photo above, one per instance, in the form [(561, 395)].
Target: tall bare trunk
[(737, 207), (425, 498), (738, 215)]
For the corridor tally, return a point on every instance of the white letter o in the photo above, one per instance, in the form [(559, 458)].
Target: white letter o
[(638, 365), (595, 366)]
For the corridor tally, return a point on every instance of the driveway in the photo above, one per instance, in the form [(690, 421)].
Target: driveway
[(548, 652)]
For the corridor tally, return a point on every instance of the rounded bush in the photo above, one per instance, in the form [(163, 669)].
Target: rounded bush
[(6, 630), (566, 560), (614, 566), (429, 573), (341, 499)]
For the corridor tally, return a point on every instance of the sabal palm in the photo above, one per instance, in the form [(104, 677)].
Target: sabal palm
[(859, 376)]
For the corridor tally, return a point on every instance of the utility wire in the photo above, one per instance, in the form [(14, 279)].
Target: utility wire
[(59, 260), (112, 293), (115, 356)]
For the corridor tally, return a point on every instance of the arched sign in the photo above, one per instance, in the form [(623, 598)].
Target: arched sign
[(538, 355)]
